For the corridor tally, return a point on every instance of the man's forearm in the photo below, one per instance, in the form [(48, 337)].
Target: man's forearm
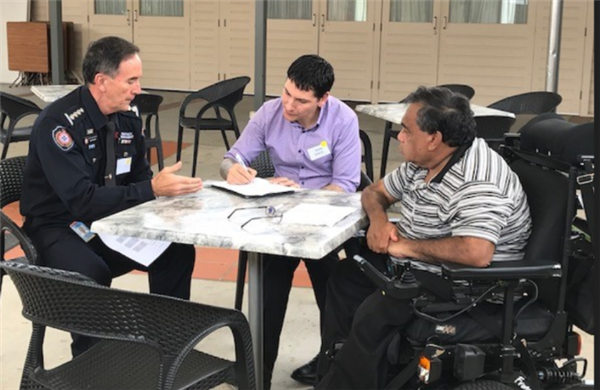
[(375, 204), (472, 251)]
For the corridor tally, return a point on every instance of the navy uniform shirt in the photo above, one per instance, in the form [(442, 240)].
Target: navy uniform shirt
[(65, 170)]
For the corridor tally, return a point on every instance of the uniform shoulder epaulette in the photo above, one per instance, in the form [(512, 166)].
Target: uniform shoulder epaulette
[(74, 114)]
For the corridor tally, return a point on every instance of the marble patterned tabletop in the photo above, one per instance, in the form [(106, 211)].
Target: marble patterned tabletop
[(50, 93), (393, 112), (201, 219)]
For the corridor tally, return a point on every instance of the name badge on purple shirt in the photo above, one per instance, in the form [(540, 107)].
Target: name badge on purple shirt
[(321, 150)]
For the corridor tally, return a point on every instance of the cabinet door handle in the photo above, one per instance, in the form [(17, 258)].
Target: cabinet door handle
[(224, 22), (434, 25), (135, 14), (445, 22), (128, 13), (314, 20), (322, 22)]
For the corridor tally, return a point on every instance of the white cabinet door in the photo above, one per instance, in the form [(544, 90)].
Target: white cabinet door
[(410, 38), (159, 28), (222, 41), (162, 32), (204, 43), (109, 17), (487, 45), (291, 32)]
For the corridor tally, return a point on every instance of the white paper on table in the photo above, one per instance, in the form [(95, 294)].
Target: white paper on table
[(141, 250), (256, 188), (316, 214)]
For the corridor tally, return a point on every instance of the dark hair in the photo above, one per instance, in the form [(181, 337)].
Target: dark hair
[(444, 111), (311, 73), (105, 55)]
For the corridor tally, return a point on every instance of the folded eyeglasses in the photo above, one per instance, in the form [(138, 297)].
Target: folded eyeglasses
[(271, 212)]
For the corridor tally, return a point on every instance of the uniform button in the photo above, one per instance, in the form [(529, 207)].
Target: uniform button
[(94, 160), (125, 154)]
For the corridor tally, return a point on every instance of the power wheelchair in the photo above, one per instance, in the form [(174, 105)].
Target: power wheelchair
[(506, 326)]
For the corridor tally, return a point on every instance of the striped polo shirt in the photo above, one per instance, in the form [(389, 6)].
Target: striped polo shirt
[(476, 195)]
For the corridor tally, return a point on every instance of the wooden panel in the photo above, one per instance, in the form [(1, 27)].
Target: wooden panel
[(164, 48), (349, 47), (288, 39), (590, 108), (105, 25), (28, 46), (237, 40), (204, 43), (409, 55), (495, 59)]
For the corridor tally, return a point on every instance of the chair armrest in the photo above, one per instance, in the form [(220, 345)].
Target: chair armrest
[(510, 270), (512, 139)]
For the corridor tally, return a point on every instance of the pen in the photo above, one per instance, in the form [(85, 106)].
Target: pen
[(241, 161)]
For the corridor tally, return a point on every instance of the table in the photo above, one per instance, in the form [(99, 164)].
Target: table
[(394, 112), (201, 219), (50, 93)]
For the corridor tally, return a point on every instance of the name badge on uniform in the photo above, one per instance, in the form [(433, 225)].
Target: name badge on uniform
[(123, 165), (82, 231), (321, 150)]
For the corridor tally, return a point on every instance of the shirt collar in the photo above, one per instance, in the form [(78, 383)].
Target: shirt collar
[(458, 153), (99, 120)]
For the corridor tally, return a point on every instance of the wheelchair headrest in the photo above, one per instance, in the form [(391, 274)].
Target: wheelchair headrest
[(551, 134)]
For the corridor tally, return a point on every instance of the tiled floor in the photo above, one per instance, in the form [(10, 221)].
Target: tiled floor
[(215, 268)]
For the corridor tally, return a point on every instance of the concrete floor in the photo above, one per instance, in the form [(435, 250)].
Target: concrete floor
[(302, 315)]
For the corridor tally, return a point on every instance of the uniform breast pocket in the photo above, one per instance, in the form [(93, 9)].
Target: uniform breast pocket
[(125, 156)]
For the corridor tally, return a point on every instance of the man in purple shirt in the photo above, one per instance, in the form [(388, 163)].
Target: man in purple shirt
[(314, 143)]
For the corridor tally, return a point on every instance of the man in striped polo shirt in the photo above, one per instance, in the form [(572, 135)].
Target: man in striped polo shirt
[(459, 202)]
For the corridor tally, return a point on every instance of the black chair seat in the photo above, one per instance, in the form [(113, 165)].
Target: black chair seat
[(18, 134), (108, 365), (207, 123), (532, 324)]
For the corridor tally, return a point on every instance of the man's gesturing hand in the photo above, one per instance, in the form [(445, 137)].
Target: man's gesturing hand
[(167, 183)]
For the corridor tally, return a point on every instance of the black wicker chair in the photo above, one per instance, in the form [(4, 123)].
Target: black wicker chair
[(388, 133), (147, 340), (219, 97), (148, 105), (492, 129), (14, 108), (537, 102), (11, 235)]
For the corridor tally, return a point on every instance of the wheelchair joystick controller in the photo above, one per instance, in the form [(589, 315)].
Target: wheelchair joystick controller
[(405, 287)]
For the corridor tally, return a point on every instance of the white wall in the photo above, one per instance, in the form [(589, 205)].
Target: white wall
[(10, 11)]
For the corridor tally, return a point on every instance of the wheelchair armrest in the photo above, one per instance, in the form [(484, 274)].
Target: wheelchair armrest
[(509, 270)]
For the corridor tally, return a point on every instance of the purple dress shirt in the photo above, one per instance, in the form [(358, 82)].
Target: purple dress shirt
[(327, 153)]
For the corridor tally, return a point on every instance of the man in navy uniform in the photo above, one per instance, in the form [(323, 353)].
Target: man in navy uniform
[(86, 161)]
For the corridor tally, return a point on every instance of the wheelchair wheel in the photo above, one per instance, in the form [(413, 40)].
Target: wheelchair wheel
[(483, 385)]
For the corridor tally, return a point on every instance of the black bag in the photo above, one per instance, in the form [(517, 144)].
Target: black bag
[(581, 281)]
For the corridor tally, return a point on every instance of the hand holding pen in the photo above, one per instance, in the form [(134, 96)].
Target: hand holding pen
[(240, 173)]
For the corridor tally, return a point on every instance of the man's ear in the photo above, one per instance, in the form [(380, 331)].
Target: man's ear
[(435, 140), (100, 80), (323, 100)]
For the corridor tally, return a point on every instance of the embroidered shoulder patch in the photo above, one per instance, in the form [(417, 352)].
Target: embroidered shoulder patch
[(62, 138)]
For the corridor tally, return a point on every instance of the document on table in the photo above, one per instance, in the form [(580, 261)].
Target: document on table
[(140, 250), (316, 214), (256, 188)]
